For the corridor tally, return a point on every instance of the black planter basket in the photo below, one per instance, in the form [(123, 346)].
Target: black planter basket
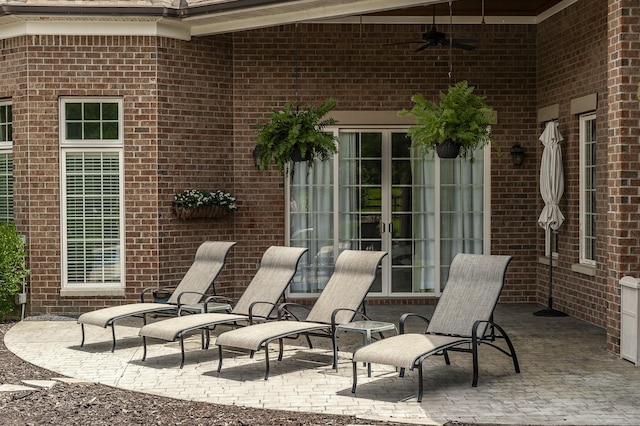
[(296, 155), (448, 149)]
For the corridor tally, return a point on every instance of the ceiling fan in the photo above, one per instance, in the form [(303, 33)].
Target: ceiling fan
[(433, 37)]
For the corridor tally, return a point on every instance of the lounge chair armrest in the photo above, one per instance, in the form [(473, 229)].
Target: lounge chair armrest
[(283, 309), (188, 292), (213, 299), (408, 315), (251, 315), (337, 311), (491, 336), (148, 289)]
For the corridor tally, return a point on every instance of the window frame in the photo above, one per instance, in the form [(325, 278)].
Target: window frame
[(90, 145), (584, 120)]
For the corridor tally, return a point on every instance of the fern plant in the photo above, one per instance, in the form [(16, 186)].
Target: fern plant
[(293, 135), (460, 116)]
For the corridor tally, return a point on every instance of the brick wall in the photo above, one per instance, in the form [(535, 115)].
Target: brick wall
[(572, 62), (623, 155), (352, 64), (177, 132), (195, 147)]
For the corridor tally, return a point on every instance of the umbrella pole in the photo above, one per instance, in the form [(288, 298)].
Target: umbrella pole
[(550, 312)]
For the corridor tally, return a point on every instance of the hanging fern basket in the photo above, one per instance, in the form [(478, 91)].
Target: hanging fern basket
[(448, 149)]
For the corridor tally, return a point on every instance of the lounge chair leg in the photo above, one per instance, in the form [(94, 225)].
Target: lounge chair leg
[(144, 348), (446, 357), (207, 335), (401, 372), (420, 384), (474, 351), (219, 358), (335, 352), (512, 350), (82, 342), (280, 349), (181, 351), (309, 341), (266, 361), (113, 337), (355, 377)]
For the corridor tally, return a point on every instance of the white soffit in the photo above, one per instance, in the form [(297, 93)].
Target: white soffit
[(291, 12), (93, 25)]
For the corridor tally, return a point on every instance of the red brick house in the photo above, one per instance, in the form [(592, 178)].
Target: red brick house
[(108, 109)]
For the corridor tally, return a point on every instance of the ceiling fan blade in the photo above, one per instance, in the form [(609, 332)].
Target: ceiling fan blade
[(466, 40), (404, 42), (463, 46)]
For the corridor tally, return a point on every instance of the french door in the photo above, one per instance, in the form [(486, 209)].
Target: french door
[(379, 194)]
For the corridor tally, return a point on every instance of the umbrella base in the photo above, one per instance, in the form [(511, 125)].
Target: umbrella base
[(549, 313)]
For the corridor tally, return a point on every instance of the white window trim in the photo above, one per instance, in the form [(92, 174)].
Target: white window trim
[(583, 119), (91, 143), (6, 145), (88, 145)]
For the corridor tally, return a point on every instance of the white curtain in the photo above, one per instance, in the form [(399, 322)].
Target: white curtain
[(424, 222), (311, 224), (461, 209)]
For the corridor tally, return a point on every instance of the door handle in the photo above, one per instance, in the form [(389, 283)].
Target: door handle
[(391, 227)]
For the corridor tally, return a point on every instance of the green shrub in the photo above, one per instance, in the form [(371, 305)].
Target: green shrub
[(13, 266)]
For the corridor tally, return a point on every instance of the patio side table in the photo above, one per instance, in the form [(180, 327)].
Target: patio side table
[(366, 328)]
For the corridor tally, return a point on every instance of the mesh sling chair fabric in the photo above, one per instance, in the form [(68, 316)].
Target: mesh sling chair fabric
[(463, 316), (207, 264), (277, 268), (353, 275)]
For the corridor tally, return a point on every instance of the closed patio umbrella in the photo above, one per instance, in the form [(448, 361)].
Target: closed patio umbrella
[(551, 189)]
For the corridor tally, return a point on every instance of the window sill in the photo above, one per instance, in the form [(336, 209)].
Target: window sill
[(584, 269), (92, 292), (544, 260)]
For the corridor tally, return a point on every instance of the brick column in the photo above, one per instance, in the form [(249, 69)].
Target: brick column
[(623, 218)]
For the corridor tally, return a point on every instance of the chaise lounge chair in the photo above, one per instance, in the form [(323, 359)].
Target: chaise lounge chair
[(463, 317), (206, 266), (344, 294), (259, 300)]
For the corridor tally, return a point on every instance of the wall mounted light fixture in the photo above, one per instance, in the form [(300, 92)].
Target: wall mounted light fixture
[(256, 157), (517, 155)]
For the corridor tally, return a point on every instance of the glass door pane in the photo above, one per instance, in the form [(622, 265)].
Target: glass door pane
[(401, 206), (360, 193)]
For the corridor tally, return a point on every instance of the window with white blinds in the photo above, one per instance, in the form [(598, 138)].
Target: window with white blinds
[(588, 189), (92, 173), (6, 162), (6, 186)]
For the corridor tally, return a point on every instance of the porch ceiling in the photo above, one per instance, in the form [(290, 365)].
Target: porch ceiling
[(265, 14), (286, 12)]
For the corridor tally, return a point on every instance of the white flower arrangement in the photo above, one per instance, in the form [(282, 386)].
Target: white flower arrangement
[(193, 198)]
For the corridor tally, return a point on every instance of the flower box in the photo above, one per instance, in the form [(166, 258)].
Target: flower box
[(201, 212), (197, 204)]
